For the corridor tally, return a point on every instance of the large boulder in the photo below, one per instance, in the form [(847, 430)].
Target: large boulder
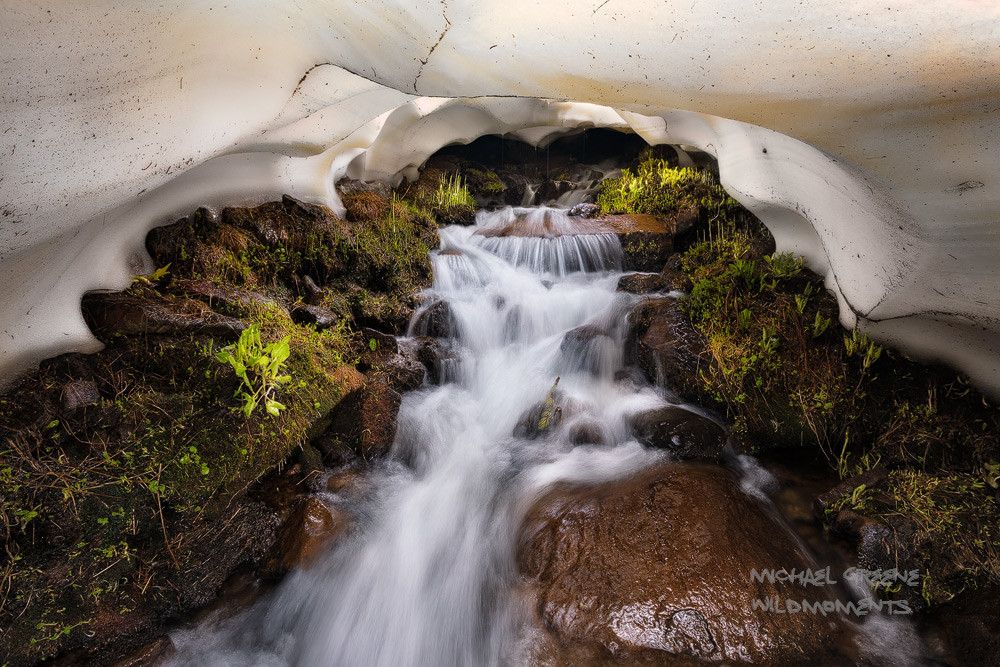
[(657, 569), (666, 346)]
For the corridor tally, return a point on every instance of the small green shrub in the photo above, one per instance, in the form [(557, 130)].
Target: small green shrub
[(258, 366)]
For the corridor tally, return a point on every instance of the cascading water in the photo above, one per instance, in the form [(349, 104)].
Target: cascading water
[(427, 576)]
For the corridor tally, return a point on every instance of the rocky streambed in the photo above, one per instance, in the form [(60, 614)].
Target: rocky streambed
[(547, 466)]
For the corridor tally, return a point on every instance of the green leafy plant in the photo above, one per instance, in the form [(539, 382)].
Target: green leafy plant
[(548, 410), (154, 277), (259, 367), (820, 325), (783, 265)]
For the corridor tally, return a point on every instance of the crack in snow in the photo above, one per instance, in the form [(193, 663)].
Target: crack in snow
[(444, 14)]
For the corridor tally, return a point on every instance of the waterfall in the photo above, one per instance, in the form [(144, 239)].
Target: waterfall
[(428, 575)]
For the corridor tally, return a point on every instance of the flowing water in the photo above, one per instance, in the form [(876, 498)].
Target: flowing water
[(427, 577)]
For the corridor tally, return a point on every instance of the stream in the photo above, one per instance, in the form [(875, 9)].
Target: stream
[(429, 575)]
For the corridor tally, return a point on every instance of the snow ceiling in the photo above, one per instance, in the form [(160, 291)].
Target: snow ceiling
[(865, 135)]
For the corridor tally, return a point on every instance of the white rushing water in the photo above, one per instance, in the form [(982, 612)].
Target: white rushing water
[(427, 579)]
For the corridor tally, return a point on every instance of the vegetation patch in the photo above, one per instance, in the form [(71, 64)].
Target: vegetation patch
[(944, 526), (656, 188), (444, 195), (123, 474), (787, 375)]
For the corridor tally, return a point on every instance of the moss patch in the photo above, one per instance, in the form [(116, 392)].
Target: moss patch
[(656, 188)]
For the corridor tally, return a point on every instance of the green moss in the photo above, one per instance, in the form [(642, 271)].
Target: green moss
[(483, 182), (657, 188)]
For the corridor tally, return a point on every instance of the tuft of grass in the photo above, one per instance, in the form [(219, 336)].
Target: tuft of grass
[(444, 196)]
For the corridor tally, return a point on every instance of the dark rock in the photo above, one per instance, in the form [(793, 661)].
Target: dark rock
[(652, 283), (657, 568), (676, 280), (530, 425), (110, 313), (156, 652), (78, 394), (365, 420), (212, 555), (335, 453), (385, 344), (321, 318), (869, 479), (436, 320), (302, 537), (403, 373), (584, 210), (313, 292), (665, 345), (279, 490), (686, 220), (551, 190), (301, 209), (380, 188), (587, 432), (642, 283), (221, 296), (967, 626), (165, 243), (683, 433), (874, 541), (544, 418), (437, 357), (589, 348)]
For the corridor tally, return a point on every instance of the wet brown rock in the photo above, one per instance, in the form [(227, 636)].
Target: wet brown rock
[(365, 420), (435, 356), (401, 372), (683, 433), (110, 313), (658, 567), (311, 525), (436, 320), (664, 344)]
